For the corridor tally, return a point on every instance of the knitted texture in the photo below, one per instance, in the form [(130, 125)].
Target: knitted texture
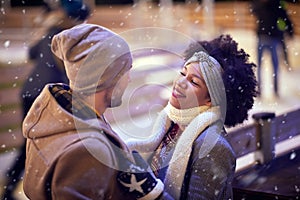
[(178, 163), (185, 116), (94, 57)]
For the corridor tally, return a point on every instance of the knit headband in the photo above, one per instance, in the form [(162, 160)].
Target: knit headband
[(212, 74)]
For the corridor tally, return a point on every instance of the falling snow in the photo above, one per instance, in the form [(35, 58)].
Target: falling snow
[(7, 43), (292, 156), (265, 103)]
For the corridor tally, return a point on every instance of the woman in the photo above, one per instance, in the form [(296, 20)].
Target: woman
[(188, 149)]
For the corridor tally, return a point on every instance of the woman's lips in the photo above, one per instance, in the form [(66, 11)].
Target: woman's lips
[(177, 94)]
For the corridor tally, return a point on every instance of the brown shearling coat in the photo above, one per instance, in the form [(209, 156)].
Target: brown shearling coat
[(67, 157)]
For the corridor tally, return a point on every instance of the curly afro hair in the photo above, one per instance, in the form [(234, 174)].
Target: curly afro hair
[(238, 77)]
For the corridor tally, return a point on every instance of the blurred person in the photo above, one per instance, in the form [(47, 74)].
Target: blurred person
[(72, 152), (188, 149), (57, 16), (272, 23)]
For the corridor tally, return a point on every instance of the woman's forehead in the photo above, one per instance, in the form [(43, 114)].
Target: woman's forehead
[(194, 68)]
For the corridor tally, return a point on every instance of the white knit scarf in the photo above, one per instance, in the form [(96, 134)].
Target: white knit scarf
[(184, 116), (178, 163)]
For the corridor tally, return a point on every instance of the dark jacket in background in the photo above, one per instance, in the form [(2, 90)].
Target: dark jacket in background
[(47, 69), (269, 13)]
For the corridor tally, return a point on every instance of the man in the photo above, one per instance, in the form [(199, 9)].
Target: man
[(46, 69), (72, 152)]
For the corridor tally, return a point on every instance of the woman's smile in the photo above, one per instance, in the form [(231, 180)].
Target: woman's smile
[(177, 94)]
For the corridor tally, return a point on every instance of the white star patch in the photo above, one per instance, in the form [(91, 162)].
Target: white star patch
[(134, 185)]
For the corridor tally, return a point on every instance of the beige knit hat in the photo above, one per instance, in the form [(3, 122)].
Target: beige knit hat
[(94, 57)]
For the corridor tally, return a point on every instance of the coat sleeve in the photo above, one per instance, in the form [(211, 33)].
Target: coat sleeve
[(210, 176), (80, 175)]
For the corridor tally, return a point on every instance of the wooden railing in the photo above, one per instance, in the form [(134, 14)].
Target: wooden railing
[(260, 139), (261, 136), (12, 78)]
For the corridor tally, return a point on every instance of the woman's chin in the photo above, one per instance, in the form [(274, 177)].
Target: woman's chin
[(174, 102)]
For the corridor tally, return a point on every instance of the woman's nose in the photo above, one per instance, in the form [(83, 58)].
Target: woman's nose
[(181, 82)]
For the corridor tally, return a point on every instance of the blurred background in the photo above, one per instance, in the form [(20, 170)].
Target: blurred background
[(158, 32)]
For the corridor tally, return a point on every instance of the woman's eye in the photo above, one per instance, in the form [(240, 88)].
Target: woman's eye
[(195, 82), (181, 73)]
